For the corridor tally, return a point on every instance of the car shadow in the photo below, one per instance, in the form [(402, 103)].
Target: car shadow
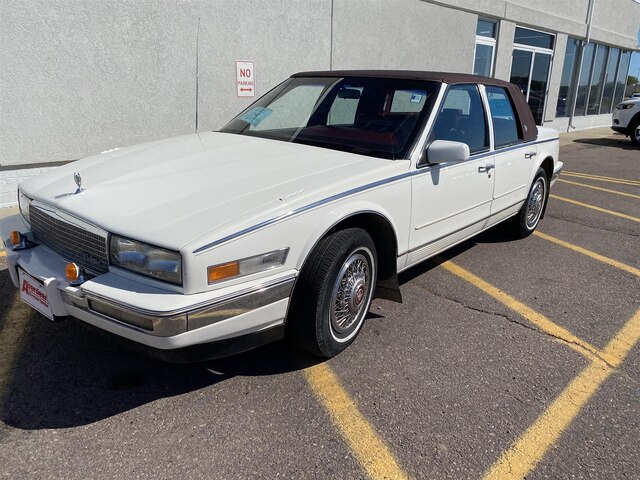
[(61, 375), (618, 142), (497, 234)]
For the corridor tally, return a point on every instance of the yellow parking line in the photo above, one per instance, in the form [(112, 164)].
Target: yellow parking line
[(620, 346), (539, 320), (593, 207), (600, 188), (601, 177), (525, 453), (370, 450), (589, 253), (598, 179), (531, 447)]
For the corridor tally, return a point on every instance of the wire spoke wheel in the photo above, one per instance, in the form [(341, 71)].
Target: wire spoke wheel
[(333, 293), (535, 203), (351, 294)]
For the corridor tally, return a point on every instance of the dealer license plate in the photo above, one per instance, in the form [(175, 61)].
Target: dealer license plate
[(32, 293)]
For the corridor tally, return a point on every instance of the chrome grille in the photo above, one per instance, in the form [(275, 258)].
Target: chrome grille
[(73, 243)]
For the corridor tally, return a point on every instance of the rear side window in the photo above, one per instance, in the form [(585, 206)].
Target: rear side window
[(462, 119), (505, 124)]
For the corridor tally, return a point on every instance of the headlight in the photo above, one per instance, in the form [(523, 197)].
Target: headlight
[(625, 106), (246, 266), (23, 204), (146, 259)]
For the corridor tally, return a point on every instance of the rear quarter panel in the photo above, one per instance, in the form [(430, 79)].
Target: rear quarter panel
[(548, 147)]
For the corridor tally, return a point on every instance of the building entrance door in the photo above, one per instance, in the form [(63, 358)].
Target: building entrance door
[(530, 68)]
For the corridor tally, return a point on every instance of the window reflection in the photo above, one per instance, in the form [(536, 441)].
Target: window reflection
[(567, 82), (603, 77)]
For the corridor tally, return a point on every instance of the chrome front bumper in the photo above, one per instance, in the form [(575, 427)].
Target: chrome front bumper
[(167, 324)]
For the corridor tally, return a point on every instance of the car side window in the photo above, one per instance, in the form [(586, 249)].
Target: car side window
[(462, 119), (505, 125)]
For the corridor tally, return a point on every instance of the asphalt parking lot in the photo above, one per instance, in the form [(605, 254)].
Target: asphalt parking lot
[(507, 359)]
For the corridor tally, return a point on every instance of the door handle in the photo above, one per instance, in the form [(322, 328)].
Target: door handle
[(486, 169), (530, 155)]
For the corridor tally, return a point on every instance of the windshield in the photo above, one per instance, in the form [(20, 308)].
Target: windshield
[(370, 116)]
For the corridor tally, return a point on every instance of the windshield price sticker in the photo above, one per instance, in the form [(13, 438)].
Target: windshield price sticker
[(245, 79), (255, 115)]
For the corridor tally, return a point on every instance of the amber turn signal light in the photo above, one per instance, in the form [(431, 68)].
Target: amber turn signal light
[(15, 237), (72, 272), (218, 272)]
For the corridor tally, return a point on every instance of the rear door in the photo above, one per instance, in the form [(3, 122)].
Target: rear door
[(513, 159)]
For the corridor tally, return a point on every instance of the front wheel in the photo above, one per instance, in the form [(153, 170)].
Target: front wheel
[(333, 293), (527, 219)]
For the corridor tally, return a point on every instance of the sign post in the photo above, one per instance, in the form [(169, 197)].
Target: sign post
[(245, 79)]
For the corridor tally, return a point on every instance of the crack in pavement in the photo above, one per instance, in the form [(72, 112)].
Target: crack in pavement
[(635, 235), (526, 325), (482, 310), (625, 376)]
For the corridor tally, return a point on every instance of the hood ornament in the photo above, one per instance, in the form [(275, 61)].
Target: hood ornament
[(78, 179)]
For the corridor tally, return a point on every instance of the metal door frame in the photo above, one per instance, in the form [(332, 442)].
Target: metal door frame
[(535, 51), (488, 42)]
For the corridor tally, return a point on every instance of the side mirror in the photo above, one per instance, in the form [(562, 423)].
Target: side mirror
[(441, 151)]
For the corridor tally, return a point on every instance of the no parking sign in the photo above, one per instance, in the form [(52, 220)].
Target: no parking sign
[(245, 79)]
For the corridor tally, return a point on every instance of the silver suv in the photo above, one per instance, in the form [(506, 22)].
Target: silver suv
[(626, 119)]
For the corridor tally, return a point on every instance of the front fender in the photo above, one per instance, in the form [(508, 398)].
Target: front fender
[(300, 232), (339, 214)]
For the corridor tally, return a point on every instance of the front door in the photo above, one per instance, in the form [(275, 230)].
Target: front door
[(452, 201)]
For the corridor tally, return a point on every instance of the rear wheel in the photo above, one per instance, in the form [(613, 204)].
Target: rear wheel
[(527, 219), (333, 293), (635, 133)]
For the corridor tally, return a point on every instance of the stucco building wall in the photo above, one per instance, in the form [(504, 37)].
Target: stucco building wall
[(82, 76)]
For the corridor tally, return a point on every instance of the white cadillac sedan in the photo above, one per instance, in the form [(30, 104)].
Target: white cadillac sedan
[(289, 220)]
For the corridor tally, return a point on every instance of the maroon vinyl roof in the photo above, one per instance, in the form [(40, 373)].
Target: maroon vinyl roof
[(529, 128)]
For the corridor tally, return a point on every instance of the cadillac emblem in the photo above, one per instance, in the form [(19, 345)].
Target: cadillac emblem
[(78, 179)]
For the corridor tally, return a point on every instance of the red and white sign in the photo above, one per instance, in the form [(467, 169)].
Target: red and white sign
[(32, 293), (245, 79)]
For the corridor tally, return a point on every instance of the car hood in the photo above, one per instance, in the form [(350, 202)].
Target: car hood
[(175, 191)]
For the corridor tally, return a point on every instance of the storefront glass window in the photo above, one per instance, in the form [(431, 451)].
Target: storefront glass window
[(597, 80), (567, 85), (610, 81), (585, 76), (485, 47), (621, 84), (603, 77), (524, 36), (486, 28)]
